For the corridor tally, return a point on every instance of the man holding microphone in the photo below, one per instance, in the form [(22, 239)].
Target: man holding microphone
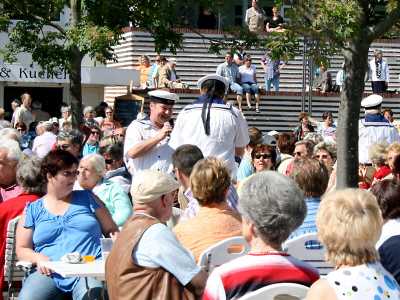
[(146, 141)]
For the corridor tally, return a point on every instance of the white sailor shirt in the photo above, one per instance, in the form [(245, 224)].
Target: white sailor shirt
[(158, 158), (374, 132), (228, 130)]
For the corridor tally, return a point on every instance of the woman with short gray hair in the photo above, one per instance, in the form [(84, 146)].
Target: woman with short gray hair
[(31, 181), (91, 171), (29, 177), (326, 154), (70, 141), (272, 207)]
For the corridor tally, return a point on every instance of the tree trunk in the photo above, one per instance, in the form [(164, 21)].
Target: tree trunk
[(75, 87), (356, 65), (75, 66)]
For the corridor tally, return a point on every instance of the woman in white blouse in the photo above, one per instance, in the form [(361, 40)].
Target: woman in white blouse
[(249, 82)]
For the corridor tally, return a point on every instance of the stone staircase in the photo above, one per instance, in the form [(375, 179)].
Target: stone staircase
[(278, 111)]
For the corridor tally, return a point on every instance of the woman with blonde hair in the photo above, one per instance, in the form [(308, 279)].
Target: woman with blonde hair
[(378, 154), (349, 224), (392, 151), (215, 220)]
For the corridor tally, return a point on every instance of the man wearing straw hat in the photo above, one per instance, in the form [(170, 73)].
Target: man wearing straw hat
[(146, 141)]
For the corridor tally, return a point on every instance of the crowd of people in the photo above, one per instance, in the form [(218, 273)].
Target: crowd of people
[(166, 191)]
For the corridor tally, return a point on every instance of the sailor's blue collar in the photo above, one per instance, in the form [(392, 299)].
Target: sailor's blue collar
[(204, 98), (375, 118)]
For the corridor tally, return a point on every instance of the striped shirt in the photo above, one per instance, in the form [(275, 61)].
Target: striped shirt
[(253, 271), (309, 225)]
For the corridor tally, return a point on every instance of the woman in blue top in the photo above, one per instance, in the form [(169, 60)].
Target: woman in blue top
[(61, 222), (92, 143)]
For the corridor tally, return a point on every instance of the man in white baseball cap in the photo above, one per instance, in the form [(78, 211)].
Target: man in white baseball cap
[(217, 128), (146, 260), (374, 128), (146, 140)]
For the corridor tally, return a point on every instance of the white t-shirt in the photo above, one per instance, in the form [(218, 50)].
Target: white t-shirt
[(158, 247), (247, 74), (158, 158), (42, 144), (228, 130)]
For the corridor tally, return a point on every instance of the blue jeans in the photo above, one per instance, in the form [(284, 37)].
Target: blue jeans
[(235, 87), (41, 287), (274, 81), (250, 88)]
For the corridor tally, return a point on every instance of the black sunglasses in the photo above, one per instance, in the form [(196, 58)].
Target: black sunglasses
[(63, 146), (109, 161), (262, 155)]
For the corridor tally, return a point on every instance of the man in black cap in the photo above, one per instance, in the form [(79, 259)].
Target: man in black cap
[(146, 141)]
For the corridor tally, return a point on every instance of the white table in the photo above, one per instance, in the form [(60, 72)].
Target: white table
[(92, 269)]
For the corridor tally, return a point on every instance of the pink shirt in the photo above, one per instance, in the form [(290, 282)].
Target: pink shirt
[(10, 192)]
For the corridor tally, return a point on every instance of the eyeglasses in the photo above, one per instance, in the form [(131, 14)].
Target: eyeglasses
[(70, 173), (95, 132), (263, 156), (109, 161), (63, 147), (322, 156)]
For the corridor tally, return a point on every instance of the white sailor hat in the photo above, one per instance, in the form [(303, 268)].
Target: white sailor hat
[(213, 77), (272, 132), (268, 140), (372, 101), (161, 96), (173, 60)]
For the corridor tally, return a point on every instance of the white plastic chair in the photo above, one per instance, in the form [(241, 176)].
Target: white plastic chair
[(221, 252), (278, 291), (11, 273), (315, 257)]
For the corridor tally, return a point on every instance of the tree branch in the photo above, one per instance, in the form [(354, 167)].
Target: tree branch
[(41, 19), (384, 25), (51, 24)]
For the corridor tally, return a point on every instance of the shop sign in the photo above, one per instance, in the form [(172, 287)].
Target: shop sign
[(16, 72)]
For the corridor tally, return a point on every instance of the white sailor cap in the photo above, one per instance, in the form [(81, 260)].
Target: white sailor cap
[(372, 101), (272, 132), (173, 60), (268, 140), (161, 96), (213, 77)]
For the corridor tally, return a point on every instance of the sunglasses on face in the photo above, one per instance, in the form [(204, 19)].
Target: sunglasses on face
[(322, 156), (70, 173), (297, 153), (263, 156), (63, 147), (109, 161), (95, 132)]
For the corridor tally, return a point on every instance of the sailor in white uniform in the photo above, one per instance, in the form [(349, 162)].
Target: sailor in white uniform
[(146, 140), (374, 128), (217, 128)]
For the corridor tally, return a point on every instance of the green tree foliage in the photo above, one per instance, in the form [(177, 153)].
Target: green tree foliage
[(95, 26), (347, 27)]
